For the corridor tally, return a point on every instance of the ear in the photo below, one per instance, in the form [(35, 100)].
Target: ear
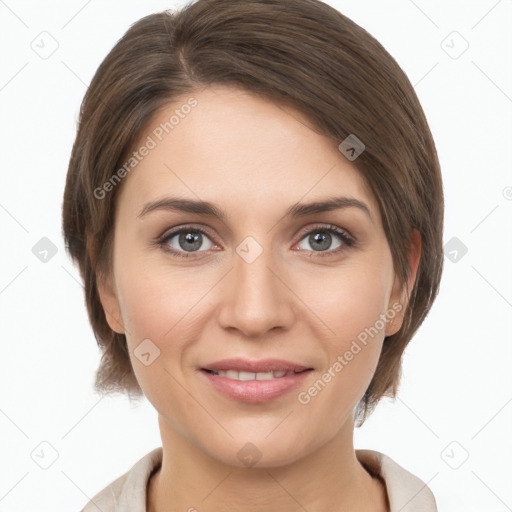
[(399, 294), (110, 303)]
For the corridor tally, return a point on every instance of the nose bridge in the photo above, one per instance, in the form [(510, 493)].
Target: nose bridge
[(257, 300), (252, 269)]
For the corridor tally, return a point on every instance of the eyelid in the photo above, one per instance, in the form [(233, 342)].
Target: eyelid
[(175, 230), (327, 227)]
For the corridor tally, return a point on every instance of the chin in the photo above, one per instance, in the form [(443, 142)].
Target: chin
[(257, 452)]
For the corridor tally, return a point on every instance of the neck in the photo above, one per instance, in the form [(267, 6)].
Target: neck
[(329, 478)]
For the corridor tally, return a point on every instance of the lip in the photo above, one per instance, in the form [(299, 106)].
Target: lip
[(255, 391), (264, 365)]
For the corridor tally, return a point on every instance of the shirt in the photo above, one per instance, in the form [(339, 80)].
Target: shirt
[(406, 492)]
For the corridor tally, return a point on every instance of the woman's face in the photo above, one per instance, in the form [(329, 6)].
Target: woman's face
[(259, 283)]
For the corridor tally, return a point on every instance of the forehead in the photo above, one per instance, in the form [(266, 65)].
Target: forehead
[(233, 147)]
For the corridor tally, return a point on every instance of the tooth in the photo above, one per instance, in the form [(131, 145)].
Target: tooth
[(246, 376), (266, 375)]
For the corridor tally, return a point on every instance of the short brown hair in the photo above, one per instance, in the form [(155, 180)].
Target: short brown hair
[(301, 53)]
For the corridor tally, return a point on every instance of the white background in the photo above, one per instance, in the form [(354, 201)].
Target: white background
[(456, 394)]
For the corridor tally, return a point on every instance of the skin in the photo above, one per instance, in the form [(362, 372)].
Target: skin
[(253, 159)]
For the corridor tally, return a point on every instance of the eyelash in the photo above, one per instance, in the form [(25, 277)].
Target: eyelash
[(347, 240)]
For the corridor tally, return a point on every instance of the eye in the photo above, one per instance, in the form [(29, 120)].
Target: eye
[(320, 239), (186, 240)]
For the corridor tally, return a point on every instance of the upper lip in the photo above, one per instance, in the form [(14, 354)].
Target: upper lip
[(264, 365)]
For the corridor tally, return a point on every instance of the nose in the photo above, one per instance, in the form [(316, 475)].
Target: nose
[(256, 297)]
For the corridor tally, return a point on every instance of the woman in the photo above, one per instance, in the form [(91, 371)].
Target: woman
[(255, 204)]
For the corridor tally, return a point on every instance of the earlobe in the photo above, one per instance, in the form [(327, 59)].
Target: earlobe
[(110, 304), (399, 297)]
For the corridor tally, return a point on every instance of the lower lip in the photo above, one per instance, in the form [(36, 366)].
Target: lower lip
[(253, 391)]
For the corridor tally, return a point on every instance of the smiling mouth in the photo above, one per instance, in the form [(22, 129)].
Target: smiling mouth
[(247, 376)]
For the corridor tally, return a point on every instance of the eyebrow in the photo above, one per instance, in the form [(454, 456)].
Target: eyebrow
[(294, 211)]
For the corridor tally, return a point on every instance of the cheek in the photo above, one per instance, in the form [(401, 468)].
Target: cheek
[(352, 301), (149, 308), (156, 300), (353, 306), (163, 307)]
